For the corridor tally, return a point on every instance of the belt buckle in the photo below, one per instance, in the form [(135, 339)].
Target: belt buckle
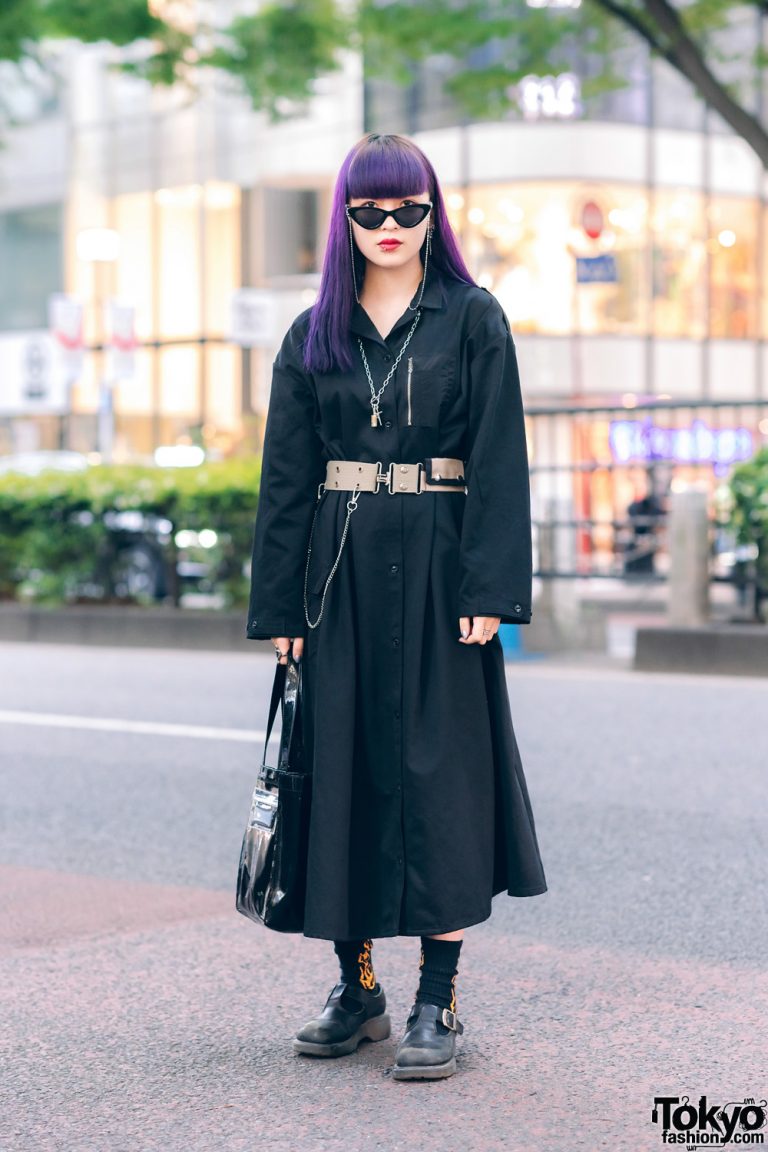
[(382, 477), (404, 478), (451, 1020)]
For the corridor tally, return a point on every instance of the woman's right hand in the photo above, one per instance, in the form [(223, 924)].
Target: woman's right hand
[(284, 644)]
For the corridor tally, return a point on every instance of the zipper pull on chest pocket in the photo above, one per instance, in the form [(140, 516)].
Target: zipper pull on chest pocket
[(410, 374)]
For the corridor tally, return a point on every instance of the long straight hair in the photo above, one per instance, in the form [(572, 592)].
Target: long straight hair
[(377, 167)]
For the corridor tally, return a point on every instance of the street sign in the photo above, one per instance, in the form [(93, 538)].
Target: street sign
[(33, 375), (253, 318), (592, 219), (122, 340), (596, 270), (65, 320)]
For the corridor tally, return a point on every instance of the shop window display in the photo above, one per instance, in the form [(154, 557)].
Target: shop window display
[(679, 258), (523, 242), (733, 268)]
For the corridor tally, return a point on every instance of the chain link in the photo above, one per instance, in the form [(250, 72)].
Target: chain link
[(376, 396), (351, 505)]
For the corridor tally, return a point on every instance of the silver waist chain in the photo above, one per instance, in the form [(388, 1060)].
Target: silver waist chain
[(351, 505)]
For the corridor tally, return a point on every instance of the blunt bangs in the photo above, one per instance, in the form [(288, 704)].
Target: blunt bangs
[(383, 169), (377, 168)]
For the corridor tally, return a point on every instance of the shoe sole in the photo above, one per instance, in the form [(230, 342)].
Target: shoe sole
[(425, 1071), (377, 1028)]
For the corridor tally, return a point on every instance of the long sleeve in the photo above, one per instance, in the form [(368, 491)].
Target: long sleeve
[(291, 469), (496, 563)]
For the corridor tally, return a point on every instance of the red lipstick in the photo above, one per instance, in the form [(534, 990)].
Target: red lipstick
[(390, 243)]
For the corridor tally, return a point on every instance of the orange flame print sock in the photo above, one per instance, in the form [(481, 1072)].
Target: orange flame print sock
[(355, 962)]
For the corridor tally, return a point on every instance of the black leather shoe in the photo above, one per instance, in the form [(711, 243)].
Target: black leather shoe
[(427, 1051), (351, 1014)]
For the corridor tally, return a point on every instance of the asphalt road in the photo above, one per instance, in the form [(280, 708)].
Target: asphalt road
[(140, 1012)]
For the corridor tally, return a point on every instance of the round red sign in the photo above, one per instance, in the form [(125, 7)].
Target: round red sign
[(592, 219)]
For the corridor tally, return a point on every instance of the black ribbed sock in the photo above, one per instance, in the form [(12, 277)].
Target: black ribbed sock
[(355, 962), (438, 969)]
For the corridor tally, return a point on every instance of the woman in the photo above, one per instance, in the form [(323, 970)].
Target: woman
[(392, 538)]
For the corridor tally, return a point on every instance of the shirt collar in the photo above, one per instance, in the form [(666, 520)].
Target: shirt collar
[(433, 297)]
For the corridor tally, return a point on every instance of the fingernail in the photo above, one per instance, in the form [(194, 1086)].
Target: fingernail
[(464, 633)]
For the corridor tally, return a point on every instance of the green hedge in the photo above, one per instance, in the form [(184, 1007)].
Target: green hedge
[(749, 510), (54, 541)]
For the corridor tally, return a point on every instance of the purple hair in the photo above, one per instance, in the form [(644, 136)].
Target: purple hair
[(379, 167)]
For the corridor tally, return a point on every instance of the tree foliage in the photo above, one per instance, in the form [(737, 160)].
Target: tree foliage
[(277, 52)]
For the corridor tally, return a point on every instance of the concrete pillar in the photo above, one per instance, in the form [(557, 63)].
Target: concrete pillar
[(688, 558), (559, 601)]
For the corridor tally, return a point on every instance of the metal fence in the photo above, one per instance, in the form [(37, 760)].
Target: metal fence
[(602, 474)]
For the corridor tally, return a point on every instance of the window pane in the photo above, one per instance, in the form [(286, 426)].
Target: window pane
[(221, 430), (290, 231), (180, 382), (179, 215), (733, 267), (133, 222), (222, 254), (679, 264), (30, 265)]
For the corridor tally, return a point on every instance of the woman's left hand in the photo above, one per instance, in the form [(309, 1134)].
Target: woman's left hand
[(478, 629)]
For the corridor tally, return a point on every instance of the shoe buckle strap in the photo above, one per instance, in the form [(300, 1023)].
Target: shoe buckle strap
[(451, 1020)]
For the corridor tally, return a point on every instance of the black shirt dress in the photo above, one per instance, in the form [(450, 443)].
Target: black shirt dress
[(420, 810)]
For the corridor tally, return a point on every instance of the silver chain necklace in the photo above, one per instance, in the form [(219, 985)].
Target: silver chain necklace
[(376, 396)]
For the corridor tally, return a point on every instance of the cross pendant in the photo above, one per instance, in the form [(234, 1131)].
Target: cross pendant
[(375, 417)]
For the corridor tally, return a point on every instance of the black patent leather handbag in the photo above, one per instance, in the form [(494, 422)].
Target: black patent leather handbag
[(272, 874)]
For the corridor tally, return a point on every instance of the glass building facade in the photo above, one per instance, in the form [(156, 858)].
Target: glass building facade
[(626, 244)]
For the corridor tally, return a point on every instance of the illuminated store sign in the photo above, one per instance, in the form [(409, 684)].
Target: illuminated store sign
[(548, 97), (596, 269), (638, 440)]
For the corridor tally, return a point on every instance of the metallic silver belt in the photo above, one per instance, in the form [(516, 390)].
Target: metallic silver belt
[(364, 476), (358, 476)]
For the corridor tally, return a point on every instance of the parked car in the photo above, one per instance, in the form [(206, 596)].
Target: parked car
[(135, 563), (33, 463)]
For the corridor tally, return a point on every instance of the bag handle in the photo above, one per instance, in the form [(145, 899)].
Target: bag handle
[(277, 698), (285, 692), (291, 697)]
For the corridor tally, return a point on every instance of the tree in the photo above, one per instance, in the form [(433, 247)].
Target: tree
[(543, 39), (277, 53)]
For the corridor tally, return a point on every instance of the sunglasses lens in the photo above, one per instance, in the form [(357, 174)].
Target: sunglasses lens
[(407, 217), (411, 215), (368, 217)]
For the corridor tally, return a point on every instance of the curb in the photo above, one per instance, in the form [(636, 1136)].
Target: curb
[(128, 626), (713, 650)]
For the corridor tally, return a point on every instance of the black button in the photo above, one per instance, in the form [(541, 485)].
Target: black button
[(395, 643), (518, 608), (387, 358), (397, 715), (387, 423), (393, 567)]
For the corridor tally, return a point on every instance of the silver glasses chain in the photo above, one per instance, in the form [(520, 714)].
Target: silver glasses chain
[(376, 396), (427, 252)]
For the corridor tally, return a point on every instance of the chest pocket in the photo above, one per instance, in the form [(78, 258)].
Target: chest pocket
[(429, 380)]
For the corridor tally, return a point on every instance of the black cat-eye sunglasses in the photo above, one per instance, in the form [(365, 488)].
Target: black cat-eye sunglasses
[(407, 216)]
